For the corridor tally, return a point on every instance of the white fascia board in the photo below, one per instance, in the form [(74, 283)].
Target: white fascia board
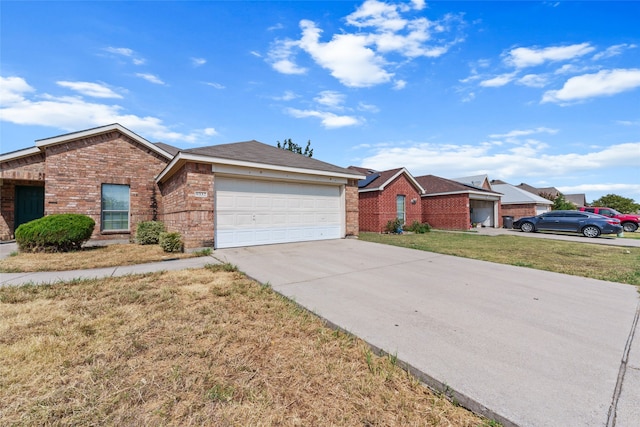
[(217, 163), (274, 175), (470, 192), (20, 154), (96, 131)]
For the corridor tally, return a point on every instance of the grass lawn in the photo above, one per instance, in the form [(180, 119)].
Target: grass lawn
[(195, 347), (90, 257), (613, 263)]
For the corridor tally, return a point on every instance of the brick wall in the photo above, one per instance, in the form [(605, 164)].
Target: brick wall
[(379, 207), (186, 213), (449, 212), (76, 170), (518, 211), (24, 171), (351, 206)]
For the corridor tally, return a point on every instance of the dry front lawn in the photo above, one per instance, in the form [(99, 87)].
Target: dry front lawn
[(612, 263), (195, 347), (90, 257)]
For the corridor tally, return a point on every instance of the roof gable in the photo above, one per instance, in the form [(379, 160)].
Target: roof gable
[(383, 179), (436, 185), (61, 139), (254, 154)]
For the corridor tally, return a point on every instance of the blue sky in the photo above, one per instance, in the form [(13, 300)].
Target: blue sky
[(546, 93)]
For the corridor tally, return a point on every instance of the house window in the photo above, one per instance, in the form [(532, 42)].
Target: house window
[(400, 208), (115, 207)]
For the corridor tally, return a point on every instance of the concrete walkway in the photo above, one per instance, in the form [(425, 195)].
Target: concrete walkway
[(13, 279), (522, 346)]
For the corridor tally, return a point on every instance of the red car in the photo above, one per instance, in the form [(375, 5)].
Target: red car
[(629, 222)]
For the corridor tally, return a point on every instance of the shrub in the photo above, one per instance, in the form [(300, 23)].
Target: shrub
[(418, 227), (148, 232), (55, 233), (393, 226), (171, 242)]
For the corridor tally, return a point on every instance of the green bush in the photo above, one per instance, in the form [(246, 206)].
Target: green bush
[(148, 232), (418, 227), (171, 242), (55, 233), (393, 226)]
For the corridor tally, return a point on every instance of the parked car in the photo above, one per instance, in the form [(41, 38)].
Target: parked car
[(587, 223), (629, 222)]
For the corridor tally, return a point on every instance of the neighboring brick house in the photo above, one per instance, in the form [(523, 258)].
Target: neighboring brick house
[(517, 202), (227, 195), (453, 205), (387, 195)]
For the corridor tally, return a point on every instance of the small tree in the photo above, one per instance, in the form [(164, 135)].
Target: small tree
[(293, 147), (619, 203), (560, 203)]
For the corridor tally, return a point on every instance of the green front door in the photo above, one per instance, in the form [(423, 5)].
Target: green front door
[(29, 204)]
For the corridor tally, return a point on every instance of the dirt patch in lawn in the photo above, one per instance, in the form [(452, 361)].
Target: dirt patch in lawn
[(204, 347)]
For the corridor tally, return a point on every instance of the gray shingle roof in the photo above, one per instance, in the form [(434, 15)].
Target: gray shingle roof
[(258, 152)]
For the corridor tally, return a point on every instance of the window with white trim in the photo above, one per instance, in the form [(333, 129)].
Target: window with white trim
[(115, 207), (400, 208)]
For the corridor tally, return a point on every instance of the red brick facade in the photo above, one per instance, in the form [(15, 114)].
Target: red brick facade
[(519, 210), (449, 212), (188, 204), (73, 172), (377, 208), (76, 171)]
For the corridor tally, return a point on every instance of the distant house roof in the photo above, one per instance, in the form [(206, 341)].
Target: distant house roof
[(577, 199), (256, 154), (515, 195), (552, 191), (435, 185), (479, 181), (377, 181)]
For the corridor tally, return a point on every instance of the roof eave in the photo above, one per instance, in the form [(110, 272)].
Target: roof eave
[(182, 158), (20, 154)]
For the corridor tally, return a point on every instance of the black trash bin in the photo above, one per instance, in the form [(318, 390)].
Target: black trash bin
[(507, 221)]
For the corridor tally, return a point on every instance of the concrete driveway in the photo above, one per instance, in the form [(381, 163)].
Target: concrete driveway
[(525, 347)]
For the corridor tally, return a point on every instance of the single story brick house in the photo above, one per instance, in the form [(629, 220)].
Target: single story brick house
[(454, 205), (229, 195), (517, 202), (387, 195)]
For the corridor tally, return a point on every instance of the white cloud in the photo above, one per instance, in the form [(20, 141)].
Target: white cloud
[(523, 57), (90, 89), (498, 81), (197, 62), (534, 80), (399, 84), (19, 104), (331, 99), (359, 59), (362, 106), (529, 159), (210, 132), (613, 51), (215, 85), (512, 135), (602, 188), (288, 95), (328, 120), (127, 53), (281, 58), (603, 83), (150, 78)]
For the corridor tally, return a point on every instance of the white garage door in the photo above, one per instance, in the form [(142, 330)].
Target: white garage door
[(254, 212)]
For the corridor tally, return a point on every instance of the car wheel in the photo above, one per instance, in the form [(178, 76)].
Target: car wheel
[(629, 227), (527, 227), (591, 231)]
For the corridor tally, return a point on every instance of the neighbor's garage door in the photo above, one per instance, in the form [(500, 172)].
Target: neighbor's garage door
[(254, 212)]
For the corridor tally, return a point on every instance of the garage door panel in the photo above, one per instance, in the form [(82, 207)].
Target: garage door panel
[(254, 212)]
